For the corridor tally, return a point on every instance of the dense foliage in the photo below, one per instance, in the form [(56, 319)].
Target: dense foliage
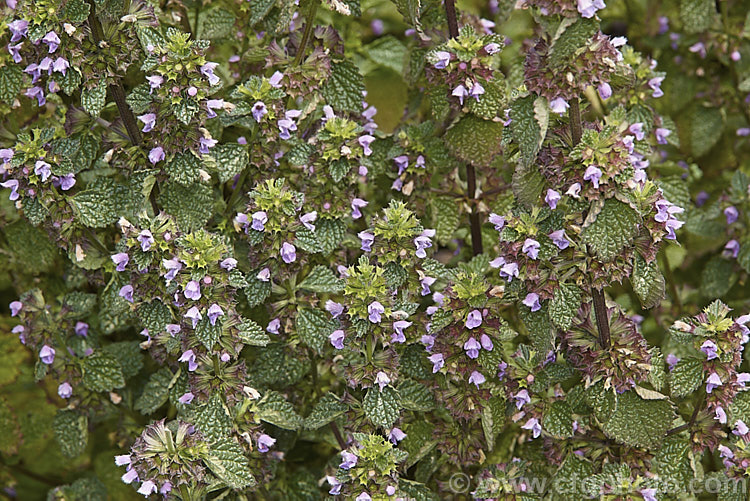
[(408, 250)]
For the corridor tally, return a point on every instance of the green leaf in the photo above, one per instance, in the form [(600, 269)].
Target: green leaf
[(558, 420), (657, 375), (416, 491), (639, 423), (541, 330), (570, 38), (648, 282), (697, 15), (274, 409), (102, 372), (415, 396), (381, 407), (192, 205), (418, 442), (446, 217), (493, 420), (252, 334), (230, 159), (572, 479), (154, 316), (717, 277), (474, 140), (563, 308), (740, 407), (387, 51), (314, 327), (139, 98), (492, 102), (97, 206), (602, 400), (707, 126), (216, 24), (686, 377), (93, 99), (343, 89), (256, 291), (530, 117), (128, 353), (185, 110), (212, 419), (11, 81), (208, 334), (184, 168), (156, 391), (77, 11), (614, 227), (328, 408), (228, 462), (321, 279), (30, 247), (674, 460), (339, 169), (71, 432), (258, 10), (330, 233)]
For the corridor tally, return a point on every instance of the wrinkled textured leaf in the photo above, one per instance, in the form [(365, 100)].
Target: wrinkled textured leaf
[(614, 227)]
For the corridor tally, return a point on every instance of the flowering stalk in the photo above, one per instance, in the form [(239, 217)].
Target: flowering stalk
[(312, 9), (118, 93)]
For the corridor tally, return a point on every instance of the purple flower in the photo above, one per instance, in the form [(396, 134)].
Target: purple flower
[(186, 398), (661, 135), (337, 339), (382, 379), (189, 357), (264, 275), (472, 347), (147, 488), (15, 307), (374, 312), (532, 301), (437, 362), (740, 428), (743, 131), (275, 79), (732, 249), (260, 218), (522, 398), (121, 260), (47, 354), (648, 494), (65, 390), (207, 70), (173, 266), (146, 239), (335, 485), (357, 204), (423, 241), (655, 85), (396, 435), (533, 423), (123, 460), (720, 415), (18, 29), (273, 326), (698, 48), (214, 312), (508, 271), (492, 48), (13, 185), (559, 105), (637, 130), (731, 214), (42, 168), (154, 82), (474, 319), (426, 282), (559, 239), (67, 181), (205, 144), (574, 190), (81, 329), (348, 460), (288, 253), (443, 59), (364, 497), (605, 91), (334, 308), (498, 221), (428, 341), (173, 329), (214, 104), (287, 124), (365, 142), (367, 239), (399, 326), (587, 9), (551, 198), (156, 155), (126, 292), (530, 248), (259, 110), (712, 382), (308, 219), (593, 174), (61, 65), (402, 162), (52, 40), (264, 442), (502, 367), (194, 315), (486, 342), (130, 476), (476, 91), (476, 378), (229, 264), (460, 92)]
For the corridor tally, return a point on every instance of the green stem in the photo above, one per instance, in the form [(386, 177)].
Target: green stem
[(312, 9), (337, 434)]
